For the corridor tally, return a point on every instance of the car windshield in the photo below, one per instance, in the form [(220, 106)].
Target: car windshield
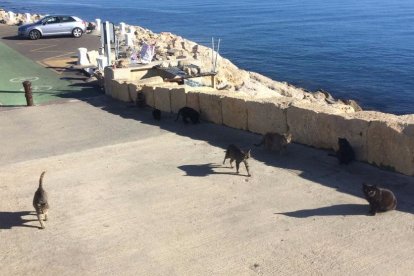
[(44, 20)]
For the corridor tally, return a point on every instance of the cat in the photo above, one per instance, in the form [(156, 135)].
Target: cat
[(380, 200), (156, 113), (234, 153), (345, 153), (188, 113), (275, 142), (40, 202)]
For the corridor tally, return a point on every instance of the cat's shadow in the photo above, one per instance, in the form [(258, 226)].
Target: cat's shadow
[(8, 220), (207, 169), (334, 210)]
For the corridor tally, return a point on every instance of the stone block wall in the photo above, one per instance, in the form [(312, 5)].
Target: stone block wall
[(384, 140)]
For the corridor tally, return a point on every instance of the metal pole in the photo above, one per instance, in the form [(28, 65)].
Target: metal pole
[(102, 33), (217, 53), (108, 43), (28, 92), (212, 53)]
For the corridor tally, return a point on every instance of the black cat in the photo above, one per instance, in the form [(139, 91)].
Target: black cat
[(188, 113), (380, 200), (345, 153), (156, 113)]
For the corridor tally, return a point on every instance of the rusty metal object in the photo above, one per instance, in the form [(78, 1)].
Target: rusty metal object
[(28, 92)]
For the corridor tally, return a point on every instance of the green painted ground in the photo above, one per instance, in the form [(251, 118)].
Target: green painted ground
[(47, 85)]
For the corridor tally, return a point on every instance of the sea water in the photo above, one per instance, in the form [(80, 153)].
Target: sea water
[(355, 49)]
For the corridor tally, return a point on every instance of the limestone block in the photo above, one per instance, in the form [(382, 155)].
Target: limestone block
[(210, 106), (120, 90), (122, 73), (149, 95), (234, 112), (193, 100), (391, 142), (178, 99), (109, 76), (123, 93), (162, 98), (267, 115), (313, 125), (134, 89), (114, 88), (354, 128)]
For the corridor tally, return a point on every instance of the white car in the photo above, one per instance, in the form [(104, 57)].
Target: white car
[(54, 25)]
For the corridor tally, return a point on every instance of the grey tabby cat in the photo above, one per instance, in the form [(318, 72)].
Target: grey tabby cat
[(234, 153), (40, 202), (273, 141)]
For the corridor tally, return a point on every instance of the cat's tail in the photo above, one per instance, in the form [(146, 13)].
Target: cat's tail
[(41, 179)]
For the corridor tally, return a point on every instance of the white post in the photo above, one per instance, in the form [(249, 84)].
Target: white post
[(101, 26), (131, 30), (122, 24), (83, 57), (28, 18), (98, 25), (108, 43), (129, 39)]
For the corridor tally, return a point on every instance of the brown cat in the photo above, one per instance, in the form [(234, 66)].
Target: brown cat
[(234, 153), (380, 200), (40, 202), (275, 142)]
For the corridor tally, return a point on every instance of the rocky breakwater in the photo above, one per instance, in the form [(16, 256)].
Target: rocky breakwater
[(175, 50), (10, 18)]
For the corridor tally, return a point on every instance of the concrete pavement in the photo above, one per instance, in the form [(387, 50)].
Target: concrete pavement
[(130, 196)]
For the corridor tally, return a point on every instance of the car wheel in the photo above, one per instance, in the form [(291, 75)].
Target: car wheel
[(77, 32), (34, 34)]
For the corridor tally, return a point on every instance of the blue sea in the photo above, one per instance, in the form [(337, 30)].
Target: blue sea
[(355, 49)]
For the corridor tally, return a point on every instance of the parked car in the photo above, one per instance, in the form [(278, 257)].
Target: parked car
[(53, 25)]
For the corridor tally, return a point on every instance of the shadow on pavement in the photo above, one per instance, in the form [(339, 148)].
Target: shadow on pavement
[(8, 220), (334, 210), (207, 169)]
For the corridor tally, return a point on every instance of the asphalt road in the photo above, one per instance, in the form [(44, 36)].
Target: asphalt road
[(130, 196), (45, 63)]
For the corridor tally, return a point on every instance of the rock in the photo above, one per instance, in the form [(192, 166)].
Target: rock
[(353, 104)]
